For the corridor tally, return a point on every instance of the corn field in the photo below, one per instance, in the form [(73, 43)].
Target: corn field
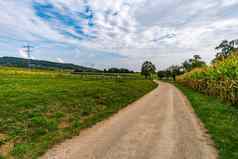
[(220, 79), (226, 90)]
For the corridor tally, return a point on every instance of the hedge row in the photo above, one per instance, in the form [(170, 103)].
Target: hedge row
[(227, 90)]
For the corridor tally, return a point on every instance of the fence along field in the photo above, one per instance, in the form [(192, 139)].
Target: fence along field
[(219, 79), (103, 75), (39, 108)]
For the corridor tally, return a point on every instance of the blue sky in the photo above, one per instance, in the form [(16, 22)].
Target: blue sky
[(116, 33)]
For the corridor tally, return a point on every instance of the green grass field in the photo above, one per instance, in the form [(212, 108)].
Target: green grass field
[(41, 108), (219, 118)]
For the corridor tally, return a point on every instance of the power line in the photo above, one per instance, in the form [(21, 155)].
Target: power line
[(28, 51)]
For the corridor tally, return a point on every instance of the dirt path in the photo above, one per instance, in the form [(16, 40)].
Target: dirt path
[(160, 125)]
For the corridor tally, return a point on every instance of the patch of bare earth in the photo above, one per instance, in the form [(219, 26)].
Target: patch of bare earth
[(5, 145)]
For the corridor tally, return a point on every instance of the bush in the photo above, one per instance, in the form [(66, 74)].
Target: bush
[(20, 150)]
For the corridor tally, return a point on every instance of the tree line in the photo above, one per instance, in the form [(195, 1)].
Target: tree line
[(224, 50), (117, 70)]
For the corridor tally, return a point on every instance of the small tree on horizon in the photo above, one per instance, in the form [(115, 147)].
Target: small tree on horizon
[(175, 70), (148, 69), (194, 62), (225, 49)]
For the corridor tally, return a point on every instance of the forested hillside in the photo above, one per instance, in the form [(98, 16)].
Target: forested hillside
[(21, 62)]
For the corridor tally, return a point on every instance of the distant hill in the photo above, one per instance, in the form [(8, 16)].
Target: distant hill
[(21, 62)]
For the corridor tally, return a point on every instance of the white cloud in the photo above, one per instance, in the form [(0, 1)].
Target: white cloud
[(60, 60), (137, 29), (227, 3), (23, 53)]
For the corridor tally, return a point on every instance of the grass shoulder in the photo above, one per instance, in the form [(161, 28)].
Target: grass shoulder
[(219, 118)]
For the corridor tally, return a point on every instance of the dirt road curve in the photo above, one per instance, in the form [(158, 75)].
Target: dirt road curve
[(160, 125)]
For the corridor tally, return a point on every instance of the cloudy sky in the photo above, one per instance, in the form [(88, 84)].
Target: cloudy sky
[(120, 33)]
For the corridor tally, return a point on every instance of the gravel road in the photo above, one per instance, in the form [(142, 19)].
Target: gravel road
[(160, 125)]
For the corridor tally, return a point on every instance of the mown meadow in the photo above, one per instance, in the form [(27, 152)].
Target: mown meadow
[(41, 108)]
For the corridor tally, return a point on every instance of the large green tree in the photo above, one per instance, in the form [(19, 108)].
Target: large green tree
[(171, 72), (194, 62), (175, 70), (148, 69), (225, 49)]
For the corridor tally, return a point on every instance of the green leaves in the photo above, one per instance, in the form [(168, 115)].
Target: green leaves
[(226, 70), (216, 80), (148, 69)]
